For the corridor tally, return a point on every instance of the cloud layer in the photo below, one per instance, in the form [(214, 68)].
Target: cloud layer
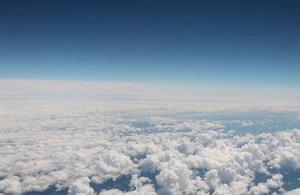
[(81, 146), (163, 155)]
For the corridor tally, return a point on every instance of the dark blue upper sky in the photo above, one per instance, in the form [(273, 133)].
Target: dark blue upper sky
[(255, 41)]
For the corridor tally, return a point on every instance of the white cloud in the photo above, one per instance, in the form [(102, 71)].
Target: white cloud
[(93, 145), (275, 181), (11, 186), (81, 187), (69, 144), (143, 190), (293, 192)]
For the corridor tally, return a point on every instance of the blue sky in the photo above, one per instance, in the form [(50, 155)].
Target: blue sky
[(246, 42)]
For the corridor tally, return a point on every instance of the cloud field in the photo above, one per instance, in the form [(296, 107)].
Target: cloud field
[(146, 147)]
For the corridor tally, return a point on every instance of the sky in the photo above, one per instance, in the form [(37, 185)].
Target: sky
[(228, 42), (123, 97)]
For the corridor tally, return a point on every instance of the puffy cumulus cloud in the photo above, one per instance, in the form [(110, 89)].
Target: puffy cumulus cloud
[(71, 148), (81, 187), (174, 178), (261, 188), (275, 182), (246, 123), (293, 192), (142, 190), (11, 185)]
